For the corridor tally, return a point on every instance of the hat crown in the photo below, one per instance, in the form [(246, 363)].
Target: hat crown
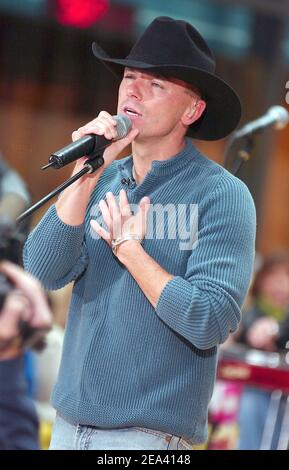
[(167, 41), (174, 48)]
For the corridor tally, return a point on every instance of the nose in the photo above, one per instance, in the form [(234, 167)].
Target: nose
[(134, 90)]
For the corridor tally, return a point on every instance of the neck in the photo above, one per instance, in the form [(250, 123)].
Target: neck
[(144, 152)]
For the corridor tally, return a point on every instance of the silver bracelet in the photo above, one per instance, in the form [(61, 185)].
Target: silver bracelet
[(118, 241)]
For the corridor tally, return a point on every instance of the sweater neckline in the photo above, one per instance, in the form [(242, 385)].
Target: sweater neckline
[(162, 167)]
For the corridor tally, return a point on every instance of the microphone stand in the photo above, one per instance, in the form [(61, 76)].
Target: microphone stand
[(243, 154), (90, 166)]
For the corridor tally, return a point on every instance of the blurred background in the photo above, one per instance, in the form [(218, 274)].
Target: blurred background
[(51, 84)]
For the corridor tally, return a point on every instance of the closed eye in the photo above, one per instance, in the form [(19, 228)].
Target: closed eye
[(157, 84), (129, 76)]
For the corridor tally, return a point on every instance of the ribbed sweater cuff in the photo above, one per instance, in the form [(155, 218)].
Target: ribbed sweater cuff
[(52, 231), (174, 300)]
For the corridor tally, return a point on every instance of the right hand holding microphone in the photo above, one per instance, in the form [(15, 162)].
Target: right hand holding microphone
[(72, 203), (104, 125)]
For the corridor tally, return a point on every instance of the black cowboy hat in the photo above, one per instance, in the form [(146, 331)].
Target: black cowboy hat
[(174, 48)]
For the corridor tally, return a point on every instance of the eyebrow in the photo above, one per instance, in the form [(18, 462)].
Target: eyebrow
[(189, 89), (153, 75)]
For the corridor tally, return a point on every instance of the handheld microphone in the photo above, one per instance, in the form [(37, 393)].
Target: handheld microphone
[(276, 116), (88, 144)]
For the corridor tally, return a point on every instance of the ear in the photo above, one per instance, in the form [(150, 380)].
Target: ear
[(194, 112)]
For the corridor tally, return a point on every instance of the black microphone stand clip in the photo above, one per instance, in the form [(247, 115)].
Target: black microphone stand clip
[(92, 164)]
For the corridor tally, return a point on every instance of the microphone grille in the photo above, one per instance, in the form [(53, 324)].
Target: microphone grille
[(281, 116), (123, 125)]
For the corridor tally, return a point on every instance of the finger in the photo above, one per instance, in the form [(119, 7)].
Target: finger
[(13, 310), (93, 128), (101, 128), (33, 291), (109, 133), (130, 137), (103, 118), (105, 214), (20, 296), (108, 117), (112, 204), (76, 135), (100, 231), (97, 127), (19, 277), (88, 129), (106, 122), (124, 204), (144, 207), (115, 215), (145, 203), (109, 121), (120, 144), (21, 306)]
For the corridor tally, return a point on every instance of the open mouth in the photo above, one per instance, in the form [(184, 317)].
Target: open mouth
[(131, 112)]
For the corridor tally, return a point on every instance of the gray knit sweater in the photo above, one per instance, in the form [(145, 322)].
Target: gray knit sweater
[(125, 363)]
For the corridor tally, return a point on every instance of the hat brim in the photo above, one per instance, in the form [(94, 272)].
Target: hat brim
[(223, 107)]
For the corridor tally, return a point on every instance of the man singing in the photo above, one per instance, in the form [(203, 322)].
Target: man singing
[(147, 315)]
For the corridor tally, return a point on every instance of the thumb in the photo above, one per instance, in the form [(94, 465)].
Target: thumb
[(144, 206), (122, 143)]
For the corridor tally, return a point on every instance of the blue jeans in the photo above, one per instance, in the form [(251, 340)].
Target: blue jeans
[(66, 436)]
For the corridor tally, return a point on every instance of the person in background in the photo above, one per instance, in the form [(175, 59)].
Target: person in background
[(14, 196), (15, 199), (265, 326), (26, 302)]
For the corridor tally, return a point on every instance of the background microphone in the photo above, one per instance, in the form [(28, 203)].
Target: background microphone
[(276, 116), (88, 144)]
